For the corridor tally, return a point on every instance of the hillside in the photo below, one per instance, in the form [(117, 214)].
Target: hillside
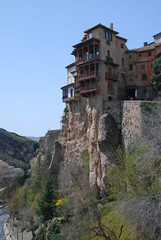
[(16, 150)]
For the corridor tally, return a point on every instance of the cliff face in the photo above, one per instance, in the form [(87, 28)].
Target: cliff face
[(47, 142), (89, 131), (88, 134), (51, 143), (16, 150)]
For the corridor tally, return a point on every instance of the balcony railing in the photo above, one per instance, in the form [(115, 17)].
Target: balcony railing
[(68, 99), (87, 89), (109, 59), (65, 96), (91, 74), (111, 76), (87, 58)]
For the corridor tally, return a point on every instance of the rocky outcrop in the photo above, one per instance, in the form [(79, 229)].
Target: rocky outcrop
[(86, 131), (51, 144), (47, 142), (89, 130), (8, 172), (16, 150)]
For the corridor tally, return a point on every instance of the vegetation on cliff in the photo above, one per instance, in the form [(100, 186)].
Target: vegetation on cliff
[(156, 75), (130, 210)]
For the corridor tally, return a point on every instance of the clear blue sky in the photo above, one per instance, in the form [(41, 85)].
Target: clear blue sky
[(36, 39)]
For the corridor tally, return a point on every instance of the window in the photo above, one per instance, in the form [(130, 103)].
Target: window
[(108, 53), (140, 55), (110, 87), (123, 77), (142, 66), (130, 67), (104, 34), (107, 36), (144, 77), (131, 79), (149, 54), (130, 56), (90, 35), (65, 93), (71, 92), (122, 45), (110, 36), (122, 61)]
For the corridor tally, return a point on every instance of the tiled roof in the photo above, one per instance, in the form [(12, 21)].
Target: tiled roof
[(124, 39), (70, 65), (148, 47), (100, 26), (86, 42), (157, 34)]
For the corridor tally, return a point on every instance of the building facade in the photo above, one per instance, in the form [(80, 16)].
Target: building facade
[(105, 70), (100, 66), (139, 70)]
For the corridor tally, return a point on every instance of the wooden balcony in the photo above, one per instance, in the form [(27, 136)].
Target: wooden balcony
[(88, 91), (85, 76), (67, 99), (88, 58), (111, 76)]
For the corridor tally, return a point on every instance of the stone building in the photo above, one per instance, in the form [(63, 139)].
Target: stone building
[(105, 70), (95, 125), (99, 69), (139, 69)]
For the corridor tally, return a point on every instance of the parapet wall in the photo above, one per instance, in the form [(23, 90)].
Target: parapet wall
[(130, 119)]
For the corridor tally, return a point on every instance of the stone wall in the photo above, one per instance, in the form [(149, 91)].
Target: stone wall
[(131, 121)]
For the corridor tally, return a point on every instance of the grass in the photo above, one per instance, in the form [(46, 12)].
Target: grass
[(113, 219)]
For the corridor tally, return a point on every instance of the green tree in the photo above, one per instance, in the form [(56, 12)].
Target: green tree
[(46, 202), (135, 182), (39, 174), (84, 216), (156, 75)]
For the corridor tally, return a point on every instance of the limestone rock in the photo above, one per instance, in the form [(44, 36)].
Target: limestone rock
[(47, 142), (108, 133)]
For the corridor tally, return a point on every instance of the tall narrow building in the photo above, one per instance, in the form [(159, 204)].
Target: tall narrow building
[(99, 67)]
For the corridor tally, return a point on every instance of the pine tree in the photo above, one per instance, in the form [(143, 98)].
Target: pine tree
[(47, 200)]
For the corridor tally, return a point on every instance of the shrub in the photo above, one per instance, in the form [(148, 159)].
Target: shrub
[(147, 106)]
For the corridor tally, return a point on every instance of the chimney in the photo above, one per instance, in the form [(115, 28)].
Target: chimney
[(145, 44), (111, 26)]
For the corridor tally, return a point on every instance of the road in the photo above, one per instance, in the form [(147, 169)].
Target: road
[(2, 218)]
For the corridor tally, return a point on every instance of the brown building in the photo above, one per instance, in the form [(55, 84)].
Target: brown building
[(104, 69), (100, 65), (139, 70)]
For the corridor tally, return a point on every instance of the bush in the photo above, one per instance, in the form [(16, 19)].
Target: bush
[(147, 107), (41, 234), (56, 236)]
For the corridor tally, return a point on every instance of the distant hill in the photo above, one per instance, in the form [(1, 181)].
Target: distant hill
[(16, 150), (34, 138)]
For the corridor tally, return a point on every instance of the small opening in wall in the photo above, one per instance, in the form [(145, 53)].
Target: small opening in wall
[(109, 98)]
